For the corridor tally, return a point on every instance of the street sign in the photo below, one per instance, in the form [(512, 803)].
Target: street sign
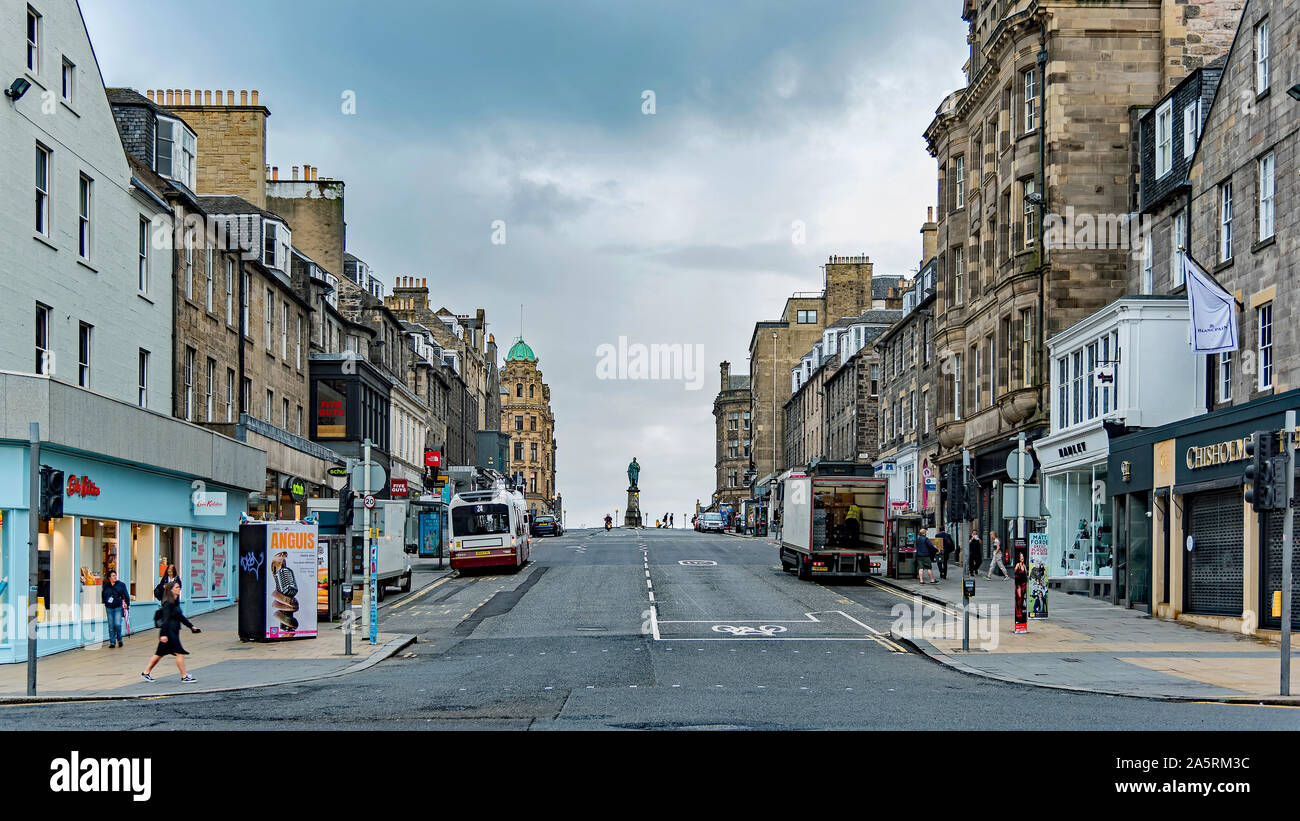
[(369, 501), (925, 472), (931, 484), (1013, 465), (378, 477)]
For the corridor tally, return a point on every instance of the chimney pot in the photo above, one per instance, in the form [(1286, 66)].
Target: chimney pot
[(207, 97), (230, 97), (149, 94), (187, 96), (295, 172), (243, 97), (929, 213), (275, 172), (254, 96)]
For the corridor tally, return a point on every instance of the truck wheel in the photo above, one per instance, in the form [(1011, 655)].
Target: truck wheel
[(406, 583), (805, 569), (379, 591)]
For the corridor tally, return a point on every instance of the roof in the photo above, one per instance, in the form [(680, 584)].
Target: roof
[(129, 96), (738, 383), (521, 352), (881, 285), (230, 204), (877, 316)]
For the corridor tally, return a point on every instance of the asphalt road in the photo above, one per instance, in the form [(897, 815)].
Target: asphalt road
[(646, 630)]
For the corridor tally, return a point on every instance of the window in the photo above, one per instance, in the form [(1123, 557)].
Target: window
[(1264, 315), (807, 318), (1225, 222), (284, 330), (83, 355), (959, 180), (1191, 128), (1177, 236), (519, 390), (959, 270), (519, 451), (33, 41), (44, 356), (519, 423), (1031, 214), (532, 451), (1031, 99), (1078, 386), (1063, 399), (298, 409), (230, 292), (957, 386), (246, 298), (42, 190), (298, 344), (977, 364), (246, 396), (69, 77), (189, 264), (746, 420), (211, 280), (230, 395), (911, 405), (1266, 190), (142, 398), (1092, 381), (1026, 348), (1225, 377), (189, 384), (270, 406), (175, 149), (875, 380), (532, 391), (284, 414), (1261, 56), (1147, 274), (1164, 138), (268, 255), (269, 320), (991, 344)]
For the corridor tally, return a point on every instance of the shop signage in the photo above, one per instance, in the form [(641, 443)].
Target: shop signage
[(297, 489), (885, 469), (433, 458), (398, 488), (82, 486), (1222, 453), (209, 504), (337, 471)]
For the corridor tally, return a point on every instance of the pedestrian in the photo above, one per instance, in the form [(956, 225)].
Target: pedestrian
[(995, 560), (945, 555), (1022, 583), (169, 621), (670, 519), (853, 524), (168, 576), (924, 557), (975, 551), (115, 599)]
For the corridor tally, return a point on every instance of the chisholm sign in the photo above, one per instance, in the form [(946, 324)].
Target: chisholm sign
[(1234, 450)]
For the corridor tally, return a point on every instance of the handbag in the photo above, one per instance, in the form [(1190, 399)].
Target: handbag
[(158, 618)]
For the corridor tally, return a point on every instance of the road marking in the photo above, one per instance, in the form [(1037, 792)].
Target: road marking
[(912, 598), (421, 594), (769, 630)]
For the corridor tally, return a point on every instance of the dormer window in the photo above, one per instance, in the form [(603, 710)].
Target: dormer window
[(174, 151), (275, 245)]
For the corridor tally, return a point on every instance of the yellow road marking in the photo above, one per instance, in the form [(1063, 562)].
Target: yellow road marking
[(422, 593), (912, 598), (1245, 704)]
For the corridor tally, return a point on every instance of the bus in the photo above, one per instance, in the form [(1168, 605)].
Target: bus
[(489, 528)]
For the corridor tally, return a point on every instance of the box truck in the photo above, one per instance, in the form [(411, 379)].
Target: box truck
[(834, 525)]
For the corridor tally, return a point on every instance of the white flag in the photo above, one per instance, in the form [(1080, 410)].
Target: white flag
[(1214, 311)]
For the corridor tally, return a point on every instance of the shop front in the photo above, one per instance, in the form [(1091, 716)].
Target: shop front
[(1080, 528), (1179, 489)]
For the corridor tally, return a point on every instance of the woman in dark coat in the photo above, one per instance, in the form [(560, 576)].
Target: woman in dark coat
[(169, 634)]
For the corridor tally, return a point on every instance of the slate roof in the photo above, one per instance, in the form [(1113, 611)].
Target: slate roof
[(231, 204)]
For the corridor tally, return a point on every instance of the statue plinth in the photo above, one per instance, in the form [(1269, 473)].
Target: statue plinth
[(632, 516)]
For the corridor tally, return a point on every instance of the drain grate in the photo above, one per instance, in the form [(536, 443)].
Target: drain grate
[(594, 629), (1071, 661)]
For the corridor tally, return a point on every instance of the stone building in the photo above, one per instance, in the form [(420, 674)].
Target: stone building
[(1012, 142), (526, 415), (852, 391), (777, 345), (733, 427), (1181, 483)]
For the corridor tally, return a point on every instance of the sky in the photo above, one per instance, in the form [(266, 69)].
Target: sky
[(664, 173)]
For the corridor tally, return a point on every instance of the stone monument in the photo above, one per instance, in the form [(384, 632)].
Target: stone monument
[(632, 518)]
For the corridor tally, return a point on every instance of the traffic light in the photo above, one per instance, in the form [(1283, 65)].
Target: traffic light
[(51, 503), (955, 510), (972, 499), (1265, 489), (346, 497)]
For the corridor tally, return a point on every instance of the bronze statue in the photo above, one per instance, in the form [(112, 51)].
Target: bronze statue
[(633, 473)]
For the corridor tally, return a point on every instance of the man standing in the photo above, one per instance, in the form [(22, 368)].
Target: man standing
[(946, 550), (995, 561), (924, 558), (975, 552), (853, 524)]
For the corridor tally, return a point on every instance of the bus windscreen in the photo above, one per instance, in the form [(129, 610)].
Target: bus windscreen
[(480, 520)]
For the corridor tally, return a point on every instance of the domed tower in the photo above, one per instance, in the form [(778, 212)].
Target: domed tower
[(526, 415)]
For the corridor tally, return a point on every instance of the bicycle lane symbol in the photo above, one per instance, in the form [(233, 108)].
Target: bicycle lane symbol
[(765, 630)]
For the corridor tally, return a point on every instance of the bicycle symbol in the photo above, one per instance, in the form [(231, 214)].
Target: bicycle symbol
[(767, 630)]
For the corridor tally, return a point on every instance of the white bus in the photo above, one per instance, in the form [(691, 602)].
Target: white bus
[(489, 528)]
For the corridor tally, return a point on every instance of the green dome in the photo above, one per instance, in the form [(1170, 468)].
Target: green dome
[(520, 352)]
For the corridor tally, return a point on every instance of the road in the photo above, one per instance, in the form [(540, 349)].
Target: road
[(646, 630)]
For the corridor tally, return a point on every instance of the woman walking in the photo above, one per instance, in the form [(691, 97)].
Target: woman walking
[(116, 600), (169, 633)]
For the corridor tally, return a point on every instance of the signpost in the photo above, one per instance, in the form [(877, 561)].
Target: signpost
[(1038, 575), (1288, 539), (368, 471)]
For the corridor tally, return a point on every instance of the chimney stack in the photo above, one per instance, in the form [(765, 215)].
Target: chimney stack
[(243, 97), (295, 172), (726, 374), (254, 96)]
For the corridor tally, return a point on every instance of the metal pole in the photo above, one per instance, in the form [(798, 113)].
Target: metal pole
[(965, 469), (1020, 485), (372, 574), (1288, 535), (33, 553)]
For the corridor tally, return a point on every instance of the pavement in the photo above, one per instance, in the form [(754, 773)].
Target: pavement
[(217, 659), (1087, 645)]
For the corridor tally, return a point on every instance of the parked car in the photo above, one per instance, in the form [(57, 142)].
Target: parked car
[(711, 521), (544, 525)]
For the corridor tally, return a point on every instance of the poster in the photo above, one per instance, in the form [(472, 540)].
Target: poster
[(1037, 575), (217, 571), (292, 562), (1020, 576), (198, 567), (322, 578)]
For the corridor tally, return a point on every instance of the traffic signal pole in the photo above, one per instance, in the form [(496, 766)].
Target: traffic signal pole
[(33, 554), (1288, 536)]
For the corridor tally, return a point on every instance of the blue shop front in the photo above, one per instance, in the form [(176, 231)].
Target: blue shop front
[(117, 516)]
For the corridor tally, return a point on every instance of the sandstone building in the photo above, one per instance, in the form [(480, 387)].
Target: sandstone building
[(526, 415)]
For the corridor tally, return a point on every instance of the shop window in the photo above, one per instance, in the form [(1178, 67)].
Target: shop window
[(98, 556), (54, 563), (1080, 537), (219, 565), (196, 579), (140, 579), (168, 538)]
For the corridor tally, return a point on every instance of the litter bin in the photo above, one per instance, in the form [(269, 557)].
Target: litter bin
[(906, 563)]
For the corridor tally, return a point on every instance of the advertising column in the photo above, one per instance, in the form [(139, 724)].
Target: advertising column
[(1038, 561)]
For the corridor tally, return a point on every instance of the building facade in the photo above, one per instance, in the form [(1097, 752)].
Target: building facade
[(526, 415), (733, 428)]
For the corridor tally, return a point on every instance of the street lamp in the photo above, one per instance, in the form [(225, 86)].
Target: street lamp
[(1294, 91)]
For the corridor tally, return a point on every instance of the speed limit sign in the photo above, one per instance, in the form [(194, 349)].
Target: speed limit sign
[(369, 502)]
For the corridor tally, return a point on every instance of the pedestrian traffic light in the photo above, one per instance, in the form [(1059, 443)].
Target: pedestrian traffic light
[(346, 497), (1262, 481), (51, 486)]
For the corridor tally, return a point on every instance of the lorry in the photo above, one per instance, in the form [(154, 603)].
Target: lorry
[(817, 536), (389, 519)]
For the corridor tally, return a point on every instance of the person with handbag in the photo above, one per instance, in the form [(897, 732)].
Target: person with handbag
[(975, 553), (168, 577), (116, 599), (169, 619)]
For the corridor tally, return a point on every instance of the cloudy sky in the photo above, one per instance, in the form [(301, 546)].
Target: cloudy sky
[(671, 227)]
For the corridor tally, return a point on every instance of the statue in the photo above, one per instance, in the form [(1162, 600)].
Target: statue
[(633, 473)]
